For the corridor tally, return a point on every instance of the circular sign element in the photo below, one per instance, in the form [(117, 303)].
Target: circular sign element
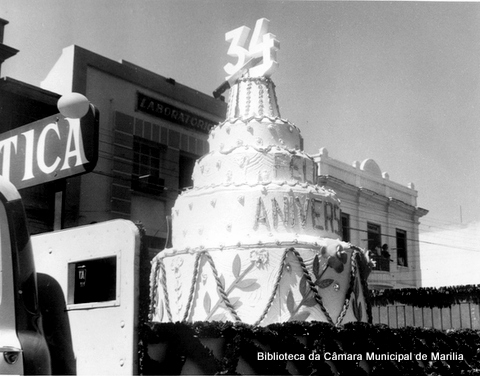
[(73, 105)]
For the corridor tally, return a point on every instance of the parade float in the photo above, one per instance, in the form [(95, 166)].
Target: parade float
[(258, 280)]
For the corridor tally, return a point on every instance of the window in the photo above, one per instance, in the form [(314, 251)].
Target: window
[(402, 259), (148, 163), (94, 281), (186, 165), (346, 227), (374, 237)]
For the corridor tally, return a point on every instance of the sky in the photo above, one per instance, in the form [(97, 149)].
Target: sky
[(397, 82), (450, 257)]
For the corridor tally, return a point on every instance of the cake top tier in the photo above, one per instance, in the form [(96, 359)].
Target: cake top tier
[(253, 97), (253, 120), (253, 117)]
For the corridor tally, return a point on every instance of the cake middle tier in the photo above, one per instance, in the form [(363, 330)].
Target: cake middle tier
[(260, 131), (249, 165), (230, 216)]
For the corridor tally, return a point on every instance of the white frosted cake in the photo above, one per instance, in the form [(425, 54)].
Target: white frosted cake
[(256, 240)]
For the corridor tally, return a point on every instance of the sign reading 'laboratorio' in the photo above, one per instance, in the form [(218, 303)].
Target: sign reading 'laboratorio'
[(49, 149), (171, 113)]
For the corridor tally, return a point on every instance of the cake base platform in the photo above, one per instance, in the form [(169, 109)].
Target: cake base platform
[(305, 348)]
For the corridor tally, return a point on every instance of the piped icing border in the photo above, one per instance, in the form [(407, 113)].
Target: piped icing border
[(258, 149)]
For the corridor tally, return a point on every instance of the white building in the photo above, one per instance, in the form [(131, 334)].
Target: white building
[(377, 212)]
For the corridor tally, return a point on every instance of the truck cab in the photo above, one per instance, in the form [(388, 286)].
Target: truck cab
[(69, 299), (23, 347)]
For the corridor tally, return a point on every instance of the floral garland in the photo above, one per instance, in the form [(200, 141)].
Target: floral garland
[(429, 297), (242, 343)]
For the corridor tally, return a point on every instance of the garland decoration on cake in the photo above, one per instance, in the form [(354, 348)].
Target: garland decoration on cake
[(154, 288), (308, 285), (159, 266), (348, 297), (311, 284), (192, 288), (363, 268), (274, 290), (221, 290), (164, 284)]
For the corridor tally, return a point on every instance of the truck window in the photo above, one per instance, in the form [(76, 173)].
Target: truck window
[(93, 281)]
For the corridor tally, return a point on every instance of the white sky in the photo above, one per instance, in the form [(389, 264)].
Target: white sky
[(451, 257), (396, 82)]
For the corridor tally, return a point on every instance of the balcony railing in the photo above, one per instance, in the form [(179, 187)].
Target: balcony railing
[(381, 263)]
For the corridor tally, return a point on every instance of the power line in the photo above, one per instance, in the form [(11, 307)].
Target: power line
[(384, 223)]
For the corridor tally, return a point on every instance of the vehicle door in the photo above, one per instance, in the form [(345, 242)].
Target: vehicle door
[(11, 360)]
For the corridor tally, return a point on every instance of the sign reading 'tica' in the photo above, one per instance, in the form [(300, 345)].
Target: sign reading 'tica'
[(49, 149)]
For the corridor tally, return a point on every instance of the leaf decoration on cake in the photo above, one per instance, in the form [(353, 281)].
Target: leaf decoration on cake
[(290, 302), (316, 267), (245, 285), (234, 299), (302, 316), (218, 317), (356, 305), (359, 312), (236, 266), (160, 313), (307, 294), (323, 283), (303, 286), (248, 285), (310, 301), (235, 302), (207, 303), (356, 289)]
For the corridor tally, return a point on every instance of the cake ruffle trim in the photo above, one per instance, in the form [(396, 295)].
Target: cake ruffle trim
[(265, 183), (260, 149), (260, 119)]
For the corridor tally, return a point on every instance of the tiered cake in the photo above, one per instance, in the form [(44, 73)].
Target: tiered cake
[(256, 240)]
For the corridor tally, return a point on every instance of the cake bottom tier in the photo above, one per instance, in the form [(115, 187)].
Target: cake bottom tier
[(261, 285)]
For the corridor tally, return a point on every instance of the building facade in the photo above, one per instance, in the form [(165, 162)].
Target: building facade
[(379, 215), (152, 129), (22, 104)]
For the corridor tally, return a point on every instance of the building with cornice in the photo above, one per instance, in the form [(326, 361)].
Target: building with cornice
[(377, 214), (152, 130)]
